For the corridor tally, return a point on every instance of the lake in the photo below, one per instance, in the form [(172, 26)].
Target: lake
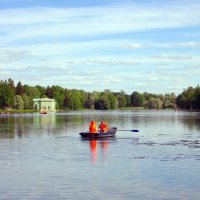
[(43, 156)]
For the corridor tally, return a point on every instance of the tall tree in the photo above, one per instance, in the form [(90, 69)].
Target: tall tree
[(57, 93), (49, 92), (121, 100), (42, 90), (6, 95), (19, 88), (27, 102), (197, 96), (137, 99), (89, 102), (102, 103), (18, 102), (169, 101), (186, 99)]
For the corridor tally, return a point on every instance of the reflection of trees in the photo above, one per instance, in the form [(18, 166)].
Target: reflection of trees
[(75, 121), (7, 127), (57, 123), (147, 118), (15, 125), (19, 125), (23, 125), (166, 118), (191, 122)]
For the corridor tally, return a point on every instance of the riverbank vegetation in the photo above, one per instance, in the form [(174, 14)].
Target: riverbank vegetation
[(20, 97)]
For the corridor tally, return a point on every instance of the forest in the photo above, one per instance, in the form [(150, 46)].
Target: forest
[(20, 97)]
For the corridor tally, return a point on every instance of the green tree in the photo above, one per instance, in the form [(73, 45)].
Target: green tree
[(42, 91), (112, 100), (18, 102), (11, 92), (102, 103), (197, 96), (169, 101), (58, 93), (49, 92), (137, 99), (27, 102), (6, 95), (72, 100), (151, 103), (89, 102), (158, 103), (66, 99), (186, 99), (121, 100), (106, 101), (19, 88), (32, 92)]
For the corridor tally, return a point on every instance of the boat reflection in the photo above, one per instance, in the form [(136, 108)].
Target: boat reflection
[(93, 151), (104, 147), (94, 144)]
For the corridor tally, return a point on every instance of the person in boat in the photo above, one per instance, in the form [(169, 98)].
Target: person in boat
[(92, 127), (103, 127)]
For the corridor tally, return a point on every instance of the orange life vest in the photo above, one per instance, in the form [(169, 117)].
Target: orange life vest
[(103, 127), (92, 127)]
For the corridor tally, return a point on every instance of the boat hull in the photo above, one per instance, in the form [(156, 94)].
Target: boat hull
[(99, 135)]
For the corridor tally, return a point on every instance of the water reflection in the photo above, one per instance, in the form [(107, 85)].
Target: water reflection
[(159, 162), (103, 144), (104, 147), (93, 151), (14, 125), (7, 128), (192, 123), (18, 125)]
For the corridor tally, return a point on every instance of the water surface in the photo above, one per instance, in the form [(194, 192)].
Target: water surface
[(43, 157)]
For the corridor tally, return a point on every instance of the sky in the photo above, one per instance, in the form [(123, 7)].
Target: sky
[(130, 45)]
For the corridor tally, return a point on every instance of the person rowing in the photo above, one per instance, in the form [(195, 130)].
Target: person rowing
[(103, 127), (92, 127)]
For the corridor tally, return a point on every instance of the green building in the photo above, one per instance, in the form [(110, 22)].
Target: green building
[(44, 104)]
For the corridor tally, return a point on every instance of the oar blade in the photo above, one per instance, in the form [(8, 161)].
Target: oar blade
[(129, 130), (134, 130)]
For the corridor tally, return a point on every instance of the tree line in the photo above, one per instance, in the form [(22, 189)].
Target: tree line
[(21, 97), (189, 98)]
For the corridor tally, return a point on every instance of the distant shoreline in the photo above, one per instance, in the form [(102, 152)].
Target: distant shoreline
[(16, 111), (121, 109)]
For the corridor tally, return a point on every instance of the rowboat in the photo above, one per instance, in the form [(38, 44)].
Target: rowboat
[(43, 112), (99, 135)]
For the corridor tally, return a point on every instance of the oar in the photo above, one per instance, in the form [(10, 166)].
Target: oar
[(129, 130)]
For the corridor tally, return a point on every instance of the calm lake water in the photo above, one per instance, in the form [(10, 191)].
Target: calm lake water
[(43, 156)]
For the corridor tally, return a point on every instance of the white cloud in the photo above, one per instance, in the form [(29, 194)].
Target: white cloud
[(173, 57), (189, 44), (4, 73), (111, 62), (8, 56), (54, 22), (134, 45), (71, 46)]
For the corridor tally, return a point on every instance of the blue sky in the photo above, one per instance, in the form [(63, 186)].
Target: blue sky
[(136, 45)]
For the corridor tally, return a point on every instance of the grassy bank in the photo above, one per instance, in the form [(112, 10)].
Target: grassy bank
[(16, 111), (132, 108)]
